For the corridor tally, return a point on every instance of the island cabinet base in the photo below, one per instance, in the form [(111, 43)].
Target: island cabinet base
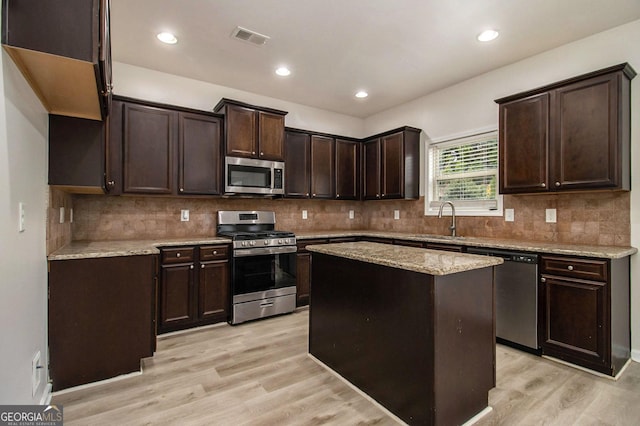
[(422, 346)]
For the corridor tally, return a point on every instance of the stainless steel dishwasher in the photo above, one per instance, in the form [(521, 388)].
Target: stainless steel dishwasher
[(516, 282)]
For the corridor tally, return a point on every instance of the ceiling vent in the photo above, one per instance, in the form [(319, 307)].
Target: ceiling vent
[(249, 36)]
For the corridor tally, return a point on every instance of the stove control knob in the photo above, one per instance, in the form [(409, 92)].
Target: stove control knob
[(279, 241), (244, 244), (266, 242), (252, 243)]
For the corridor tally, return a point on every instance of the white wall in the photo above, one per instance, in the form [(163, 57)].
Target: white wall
[(23, 267), (142, 83), (469, 106)]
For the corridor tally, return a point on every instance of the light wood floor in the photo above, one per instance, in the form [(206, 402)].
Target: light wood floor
[(259, 374)]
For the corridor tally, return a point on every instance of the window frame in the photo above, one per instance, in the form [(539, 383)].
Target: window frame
[(431, 207)]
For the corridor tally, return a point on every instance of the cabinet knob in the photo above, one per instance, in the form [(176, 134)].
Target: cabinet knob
[(215, 252), (181, 189), (111, 184), (543, 185), (543, 280), (307, 194), (253, 153), (191, 267), (557, 183), (337, 195), (177, 254), (313, 195), (201, 266), (570, 268), (261, 153)]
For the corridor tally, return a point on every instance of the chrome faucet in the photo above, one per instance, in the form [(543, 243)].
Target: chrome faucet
[(453, 216)]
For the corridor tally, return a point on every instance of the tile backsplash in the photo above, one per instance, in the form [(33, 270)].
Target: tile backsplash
[(601, 218)]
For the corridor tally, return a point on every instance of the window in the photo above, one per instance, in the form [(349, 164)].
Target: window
[(465, 172)]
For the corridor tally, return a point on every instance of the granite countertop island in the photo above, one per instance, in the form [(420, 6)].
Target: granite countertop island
[(412, 328), (432, 262)]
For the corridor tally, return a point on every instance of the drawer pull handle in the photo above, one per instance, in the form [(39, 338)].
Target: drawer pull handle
[(177, 254), (266, 305), (570, 268)]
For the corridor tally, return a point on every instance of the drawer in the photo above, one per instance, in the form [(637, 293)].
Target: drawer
[(445, 247), (304, 243), (178, 255), (408, 243), (214, 253), (588, 269)]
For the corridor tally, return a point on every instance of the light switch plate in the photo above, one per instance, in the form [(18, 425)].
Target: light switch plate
[(304, 214), (550, 215), (396, 214), (352, 215), (508, 215), (184, 215)]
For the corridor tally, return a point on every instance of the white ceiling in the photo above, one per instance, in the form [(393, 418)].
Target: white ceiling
[(397, 50)]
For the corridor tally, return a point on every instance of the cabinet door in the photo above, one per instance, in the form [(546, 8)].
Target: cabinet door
[(585, 143), (371, 170), (297, 173), (524, 145), (149, 135), (177, 296), (213, 294), (241, 131), (322, 167), (574, 326), (347, 170), (271, 136), (200, 152), (392, 166), (303, 278)]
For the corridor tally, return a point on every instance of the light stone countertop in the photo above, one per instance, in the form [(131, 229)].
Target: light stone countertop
[(605, 252), (425, 261), (93, 249)]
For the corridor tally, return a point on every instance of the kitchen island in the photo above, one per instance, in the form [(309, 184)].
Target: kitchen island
[(410, 327)]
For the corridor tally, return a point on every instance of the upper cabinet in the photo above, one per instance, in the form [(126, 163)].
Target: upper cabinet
[(63, 49), (571, 135), (141, 148), (391, 165), (322, 167), (251, 131), (347, 169), (297, 158)]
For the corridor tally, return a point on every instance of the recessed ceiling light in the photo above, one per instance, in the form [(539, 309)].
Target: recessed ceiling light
[(167, 38), (488, 35), (362, 94), (283, 71)]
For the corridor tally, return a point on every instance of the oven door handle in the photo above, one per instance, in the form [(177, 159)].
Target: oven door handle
[(258, 251)]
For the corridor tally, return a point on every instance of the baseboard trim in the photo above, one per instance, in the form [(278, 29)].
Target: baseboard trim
[(98, 383)]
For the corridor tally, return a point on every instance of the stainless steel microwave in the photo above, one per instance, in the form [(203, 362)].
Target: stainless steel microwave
[(251, 176)]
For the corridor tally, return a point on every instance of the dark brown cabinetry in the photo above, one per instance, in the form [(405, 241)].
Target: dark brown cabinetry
[(347, 166), (391, 165), (101, 317), (297, 158), (584, 306), (252, 131), (322, 167), (200, 154), (79, 159), (572, 135), (63, 49), (194, 287)]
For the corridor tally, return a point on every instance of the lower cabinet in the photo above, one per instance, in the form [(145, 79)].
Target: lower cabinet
[(194, 287), (584, 306), (101, 317)]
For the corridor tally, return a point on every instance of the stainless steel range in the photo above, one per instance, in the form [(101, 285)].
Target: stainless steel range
[(263, 273)]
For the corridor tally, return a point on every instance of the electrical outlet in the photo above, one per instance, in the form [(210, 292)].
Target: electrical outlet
[(35, 373), (61, 214), (184, 215), (304, 214), (550, 215), (351, 214), (508, 215), (21, 217), (396, 214)]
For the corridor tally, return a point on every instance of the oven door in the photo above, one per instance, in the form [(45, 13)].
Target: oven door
[(263, 276)]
